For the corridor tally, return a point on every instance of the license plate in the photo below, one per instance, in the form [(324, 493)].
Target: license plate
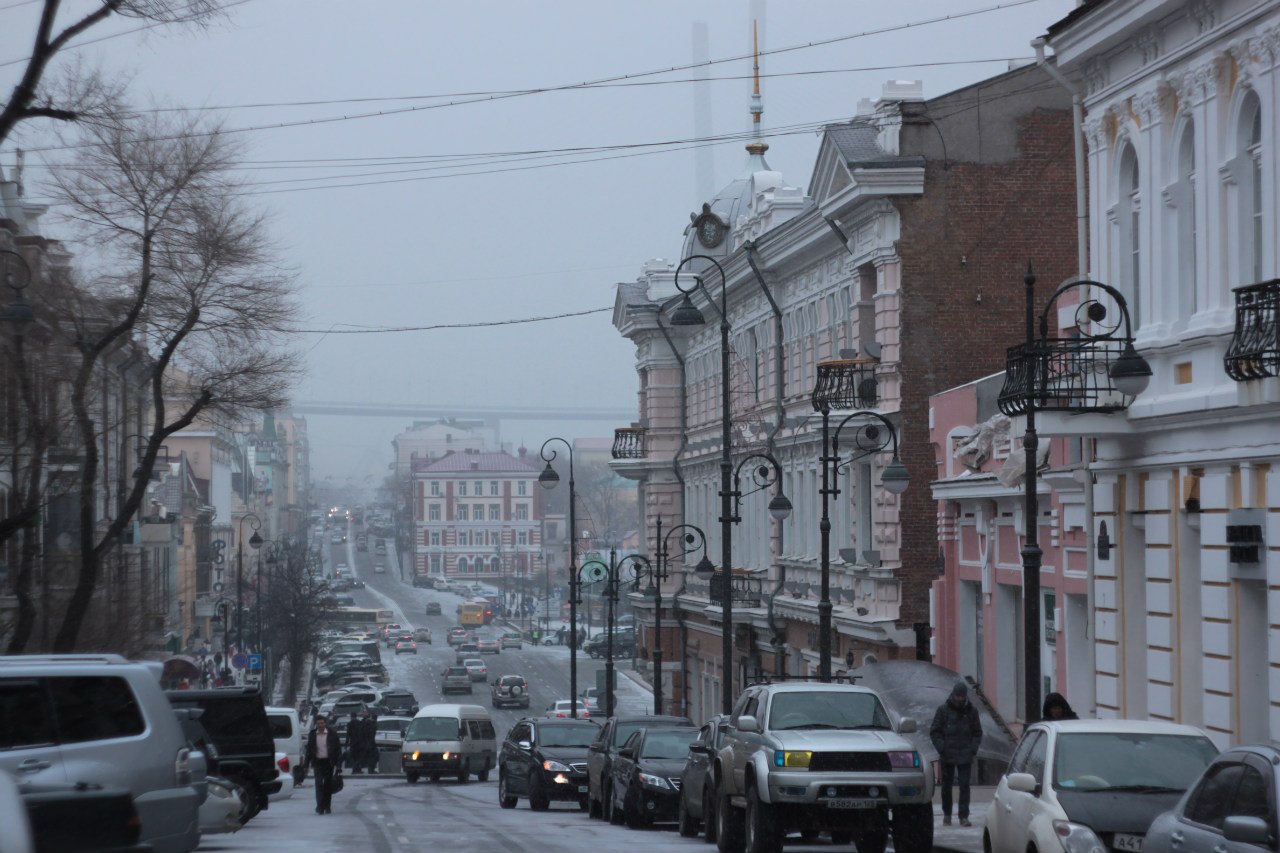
[(851, 803), (1131, 843), (582, 789)]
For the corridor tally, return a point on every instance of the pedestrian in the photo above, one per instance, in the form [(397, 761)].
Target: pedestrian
[(324, 754), (355, 744), (956, 734), (1056, 708), (369, 728)]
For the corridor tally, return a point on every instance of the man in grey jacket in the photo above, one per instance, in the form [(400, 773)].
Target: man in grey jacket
[(956, 734)]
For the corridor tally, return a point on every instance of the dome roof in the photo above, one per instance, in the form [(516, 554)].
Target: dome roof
[(733, 204)]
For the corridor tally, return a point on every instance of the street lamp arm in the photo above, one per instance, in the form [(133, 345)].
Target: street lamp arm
[(692, 541), (763, 476), (868, 439), (723, 307), (1091, 314)]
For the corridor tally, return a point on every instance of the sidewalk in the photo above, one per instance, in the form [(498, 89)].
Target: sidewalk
[(961, 838)]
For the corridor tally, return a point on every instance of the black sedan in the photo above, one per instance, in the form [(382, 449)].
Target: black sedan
[(697, 798), (545, 760), (646, 775)]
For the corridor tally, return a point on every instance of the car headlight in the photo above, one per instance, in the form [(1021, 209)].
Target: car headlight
[(1078, 838), (556, 767), (904, 760), (792, 758), (653, 781)]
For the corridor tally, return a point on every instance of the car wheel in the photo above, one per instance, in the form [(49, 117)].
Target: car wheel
[(582, 805), (538, 799), (611, 813), (412, 777), (504, 798), (841, 837), (595, 808), (708, 815), (463, 774), (873, 842), (483, 775), (762, 834), (631, 814), (685, 822), (729, 826), (913, 828)]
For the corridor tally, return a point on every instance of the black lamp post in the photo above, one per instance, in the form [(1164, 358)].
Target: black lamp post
[(687, 314), (272, 560), (548, 479), (845, 384), (693, 539), (255, 542), (1075, 374)]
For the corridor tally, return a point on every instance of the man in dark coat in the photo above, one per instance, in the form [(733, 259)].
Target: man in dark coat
[(324, 753), (956, 734), (355, 744), (369, 730)]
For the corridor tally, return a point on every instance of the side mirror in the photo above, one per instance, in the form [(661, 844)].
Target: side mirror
[(626, 752), (748, 724), (1023, 782), (1246, 830), (906, 726), (699, 749), (525, 745)]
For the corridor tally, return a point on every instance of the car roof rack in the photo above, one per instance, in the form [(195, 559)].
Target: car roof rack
[(776, 678)]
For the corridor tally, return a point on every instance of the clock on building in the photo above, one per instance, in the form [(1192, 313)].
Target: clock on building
[(709, 228)]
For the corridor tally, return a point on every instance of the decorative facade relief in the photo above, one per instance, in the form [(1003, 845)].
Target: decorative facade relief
[(1097, 75), (1148, 44), (1204, 14)]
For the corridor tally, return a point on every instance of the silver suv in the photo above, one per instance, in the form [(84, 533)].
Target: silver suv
[(813, 757), (103, 719)]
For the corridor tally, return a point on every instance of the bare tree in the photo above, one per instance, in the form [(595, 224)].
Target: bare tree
[(298, 604), (192, 277), (79, 93), (612, 502)]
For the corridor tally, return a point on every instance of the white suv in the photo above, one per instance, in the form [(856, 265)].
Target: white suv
[(102, 719)]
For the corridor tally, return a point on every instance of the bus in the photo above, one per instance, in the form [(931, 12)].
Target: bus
[(362, 618), (474, 613)]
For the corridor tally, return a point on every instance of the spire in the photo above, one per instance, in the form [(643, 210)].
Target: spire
[(757, 146)]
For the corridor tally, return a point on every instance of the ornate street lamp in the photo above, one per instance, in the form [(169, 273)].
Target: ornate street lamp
[(255, 542), (1098, 370), (691, 540), (548, 480)]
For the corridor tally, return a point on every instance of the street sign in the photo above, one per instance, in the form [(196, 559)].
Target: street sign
[(255, 663), (240, 660)]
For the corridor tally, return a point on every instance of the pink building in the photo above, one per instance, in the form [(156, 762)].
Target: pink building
[(976, 602)]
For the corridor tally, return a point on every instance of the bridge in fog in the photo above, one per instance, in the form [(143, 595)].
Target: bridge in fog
[(425, 411)]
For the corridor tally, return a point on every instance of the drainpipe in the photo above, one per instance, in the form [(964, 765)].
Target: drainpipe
[(1077, 128)]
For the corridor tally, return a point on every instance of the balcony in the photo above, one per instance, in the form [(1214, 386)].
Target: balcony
[(1065, 374), (628, 443), (846, 383), (1254, 352), (747, 592)]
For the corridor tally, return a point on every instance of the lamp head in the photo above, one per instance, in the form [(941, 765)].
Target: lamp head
[(705, 568), (1130, 372), (895, 478), (255, 541), (548, 478), (780, 507), (687, 314), (18, 314)]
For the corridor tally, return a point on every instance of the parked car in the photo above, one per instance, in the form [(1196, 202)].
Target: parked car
[(73, 817), (512, 641), (609, 739), (455, 679), (545, 761), (1079, 782), (104, 720), (1231, 807), (397, 702), (646, 775), (562, 708), (406, 647), (235, 720), (624, 644), (697, 797), (476, 668), (488, 645), (226, 809), (433, 608), (285, 768), (510, 690), (286, 732)]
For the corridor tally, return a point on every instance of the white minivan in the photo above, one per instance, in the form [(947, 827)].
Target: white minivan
[(286, 731), (449, 740)]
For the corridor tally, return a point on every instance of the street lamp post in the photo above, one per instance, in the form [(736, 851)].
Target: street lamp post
[(548, 479), (687, 314), (1062, 374), (255, 542), (842, 384), (693, 539), (272, 559)]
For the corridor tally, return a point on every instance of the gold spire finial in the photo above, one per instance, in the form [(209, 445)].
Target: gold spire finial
[(755, 64)]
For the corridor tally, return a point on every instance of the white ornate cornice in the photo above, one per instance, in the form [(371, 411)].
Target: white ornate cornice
[(1148, 43), (1204, 14), (1265, 47), (1196, 84), (1097, 74), (1095, 131), (1145, 107)]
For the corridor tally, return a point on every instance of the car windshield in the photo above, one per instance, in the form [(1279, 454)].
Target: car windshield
[(827, 710), (668, 744), (553, 737), (1109, 761), (432, 728)]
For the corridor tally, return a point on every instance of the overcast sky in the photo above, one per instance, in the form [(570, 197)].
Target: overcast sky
[(454, 237)]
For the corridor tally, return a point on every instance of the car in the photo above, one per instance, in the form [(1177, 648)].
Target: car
[(285, 768), (613, 733), (389, 731), (697, 807), (422, 635), (342, 583), (455, 679), (341, 569), (624, 645), (562, 708), (545, 761), (379, 568), (286, 732), (225, 809), (488, 645), (457, 636), (462, 651), (476, 668), (433, 608), (356, 583), (337, 539), (64, 816), (103, 720), (1063, 771), (406, 647), (512, 641), (510, 690), (1231, 807), (235, 722), (397, 702), (646, 775), (591, 697)]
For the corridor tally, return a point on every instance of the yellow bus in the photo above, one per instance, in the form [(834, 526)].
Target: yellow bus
[(474, 613)]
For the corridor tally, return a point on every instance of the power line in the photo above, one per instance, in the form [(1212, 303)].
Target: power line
[(379, 330)]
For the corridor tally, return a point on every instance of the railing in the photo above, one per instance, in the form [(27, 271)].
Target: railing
[(846, 383), (1064, 374), (747, 592), (628, 443), (1254, 352)]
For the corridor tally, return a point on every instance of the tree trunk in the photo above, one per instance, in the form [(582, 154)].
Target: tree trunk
[(26, 602)]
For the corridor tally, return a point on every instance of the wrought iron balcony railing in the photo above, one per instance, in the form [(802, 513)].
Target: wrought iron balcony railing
[(1064, 374), (1254, 352), (846, 383), (628, 443), (747, 592)]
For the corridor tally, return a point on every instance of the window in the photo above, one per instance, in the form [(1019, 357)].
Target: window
[(462, 488), (1018, 764), (521, 486), (1128, 217), (1253, 115), (24, 718), (433, 512), (95, 708), (522, 537), (462, 512), (479, 486), (493, 488), (464, 537), (477, 512), (1210, 804), (522, 513), (1184, 199), (435, 488), (435, 537), (462, 566), (495, 512), (435, 564), (1251, 796), (1036, 759), (495, 565)]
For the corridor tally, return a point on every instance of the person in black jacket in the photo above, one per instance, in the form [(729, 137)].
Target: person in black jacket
[(324, 753), (1057, 708), (956, 734)]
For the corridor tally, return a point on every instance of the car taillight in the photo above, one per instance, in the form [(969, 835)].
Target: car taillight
[(182, 767), (283, 764), (133, 828)]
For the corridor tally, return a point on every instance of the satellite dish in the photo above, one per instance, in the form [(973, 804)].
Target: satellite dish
[(872, 349)]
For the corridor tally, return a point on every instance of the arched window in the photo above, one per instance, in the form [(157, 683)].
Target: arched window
[(1185, 201), (495, 566), (1128, 217), (1251, 137), (462, 565)]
